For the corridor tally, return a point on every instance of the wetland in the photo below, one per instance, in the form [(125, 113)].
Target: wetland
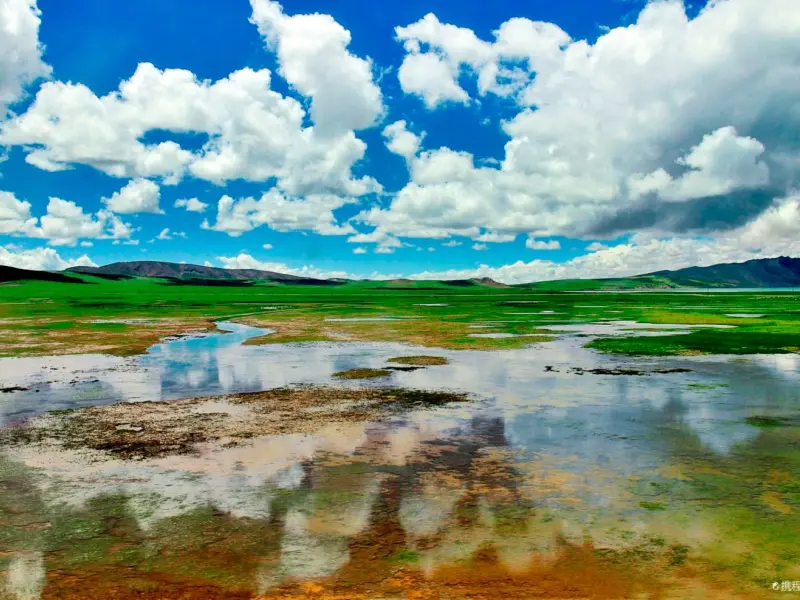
[(361, 442)]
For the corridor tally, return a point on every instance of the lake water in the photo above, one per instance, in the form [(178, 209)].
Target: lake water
[(583, 484)]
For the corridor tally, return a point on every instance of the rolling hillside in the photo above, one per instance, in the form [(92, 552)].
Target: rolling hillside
[(186, 272), (782, 272)]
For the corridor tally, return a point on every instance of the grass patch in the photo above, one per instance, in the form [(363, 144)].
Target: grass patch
[(653, 506), (767, 422), (420, 361), (362, 374)]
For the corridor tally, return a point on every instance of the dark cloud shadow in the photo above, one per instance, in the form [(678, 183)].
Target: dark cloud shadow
[(703, 215)]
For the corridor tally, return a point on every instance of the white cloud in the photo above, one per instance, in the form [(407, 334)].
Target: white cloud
[(400, 140), (137, 196), (721, 163), (480, 247), (245, 261), (314, 59), (164, 235), (385, 244), (438, 54), (20, 50), (428, 76), (775, 233), (191, 205), (254, 133), (40, 259), (707, 104), (313, 213), (535, 244), (493, 237), (65, 223), (595, 246), (452, 244), (15, 216), (359, 250), (267, 246)]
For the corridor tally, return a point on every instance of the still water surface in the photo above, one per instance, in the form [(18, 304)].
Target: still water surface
[(640, 483)]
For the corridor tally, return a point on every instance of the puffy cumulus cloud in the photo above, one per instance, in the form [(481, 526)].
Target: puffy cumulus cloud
[(191, 205), (65, 223), (480, 247), (707, 138), (535, 244), (720, 164), (385, 244), (438, 54), (359, 250), (776, 228), (20, 50), (273, 209), (401, 141), (428, 76), (774, 233), (252, 132), (245, 261), (15, 216), (138, 196), (313, 57), (40, 259)]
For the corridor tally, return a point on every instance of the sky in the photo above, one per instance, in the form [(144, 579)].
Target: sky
[(521, 141)]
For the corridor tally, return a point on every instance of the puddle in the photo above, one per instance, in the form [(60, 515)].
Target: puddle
[(745, 315), (494, 335), (558, 449), (126, 321), (612, 328)]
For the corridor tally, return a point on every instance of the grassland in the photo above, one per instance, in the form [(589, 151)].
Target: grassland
[(125, 317)]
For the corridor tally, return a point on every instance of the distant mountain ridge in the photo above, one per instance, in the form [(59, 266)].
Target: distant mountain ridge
[(182, 271), (765, 272), (780, 272)]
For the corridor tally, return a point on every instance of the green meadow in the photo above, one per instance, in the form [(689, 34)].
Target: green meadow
[(126, 316)]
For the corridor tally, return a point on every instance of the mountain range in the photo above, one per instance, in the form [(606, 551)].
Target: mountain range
[(185, 272), (781, 272)]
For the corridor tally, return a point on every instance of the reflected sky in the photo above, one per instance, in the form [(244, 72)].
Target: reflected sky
[(558, 447)]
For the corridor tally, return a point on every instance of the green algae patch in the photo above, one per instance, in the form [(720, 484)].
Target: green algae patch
[(653, 506), (406, 557), (419, 361), (768, 422), (362, 374)]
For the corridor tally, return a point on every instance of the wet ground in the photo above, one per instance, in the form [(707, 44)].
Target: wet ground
[(564, 473)]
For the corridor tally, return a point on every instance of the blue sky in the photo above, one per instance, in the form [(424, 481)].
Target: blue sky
[(515, 140)]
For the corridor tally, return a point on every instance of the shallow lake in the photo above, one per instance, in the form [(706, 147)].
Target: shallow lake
[(560, 473)]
